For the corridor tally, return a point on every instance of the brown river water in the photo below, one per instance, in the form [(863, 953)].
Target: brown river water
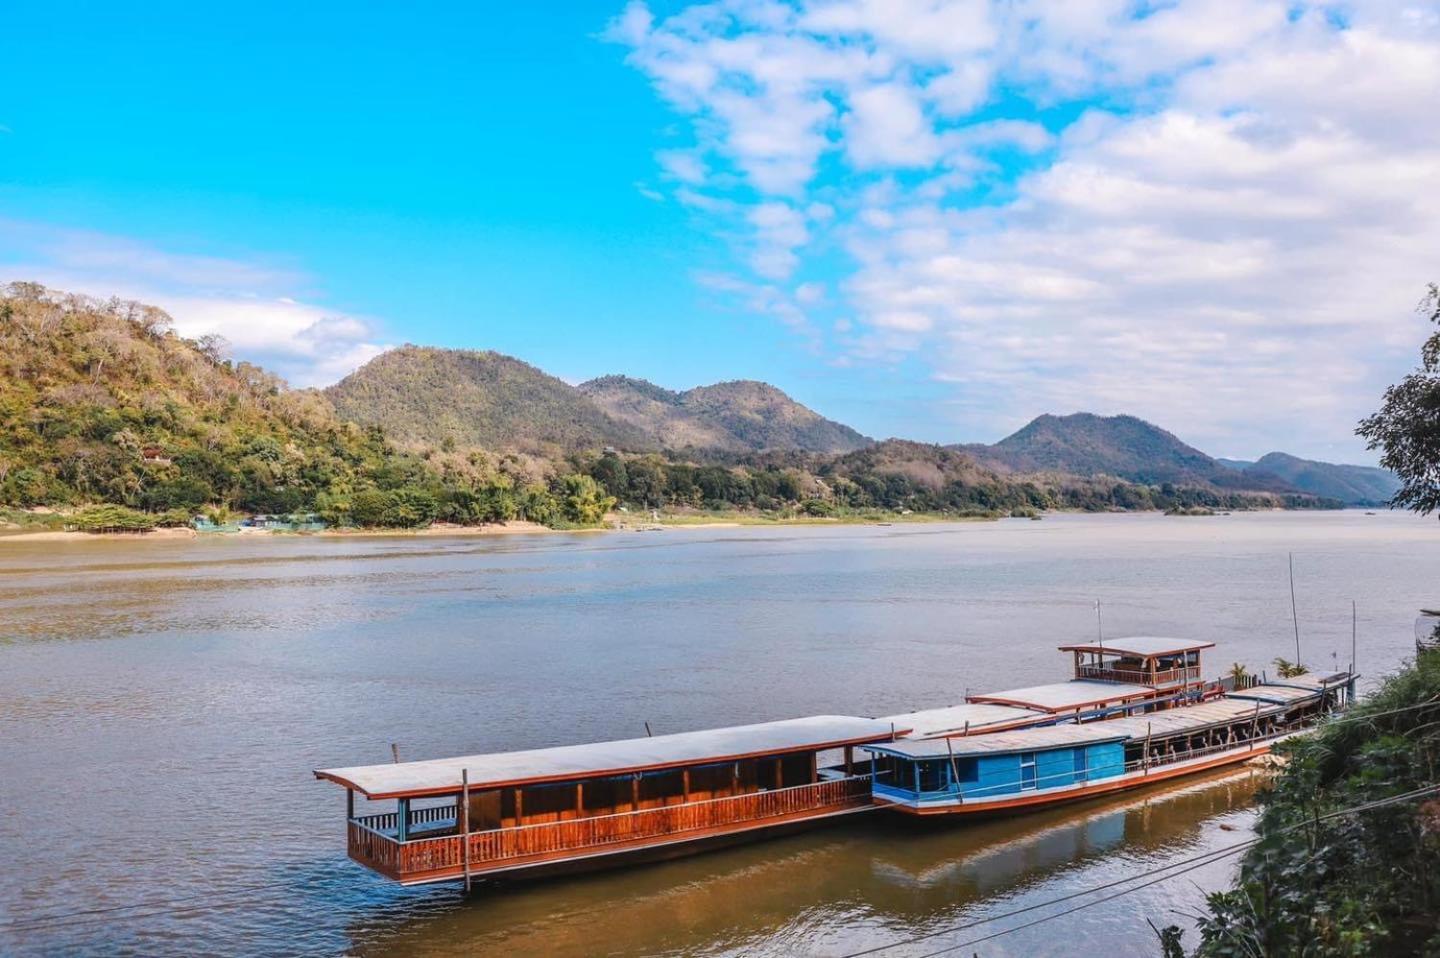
[(163, 702)]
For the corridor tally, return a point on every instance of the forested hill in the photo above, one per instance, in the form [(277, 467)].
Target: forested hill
[(743, 415), (469, 399), (1354, 485), (103, 402), (1084, 444)]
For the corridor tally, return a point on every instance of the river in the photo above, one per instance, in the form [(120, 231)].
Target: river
[(163, 702)]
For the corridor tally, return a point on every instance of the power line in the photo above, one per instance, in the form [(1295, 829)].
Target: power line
[(1192, 863)]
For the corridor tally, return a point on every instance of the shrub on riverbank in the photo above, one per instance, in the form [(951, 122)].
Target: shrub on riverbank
[(1349, 885)]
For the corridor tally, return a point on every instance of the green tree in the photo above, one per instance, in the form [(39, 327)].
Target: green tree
[(1407, 427), (583, 501), (409, 507), (368, 508), (610, 471)]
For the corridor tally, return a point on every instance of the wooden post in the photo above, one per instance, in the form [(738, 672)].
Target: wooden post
[(684, 785), (465, 825), (635, 792), (519, 806), (402, 819), (814, 767), (849, 760), (954, 769), (395, 753), (579, 799), (1147, 748), (349, 804)]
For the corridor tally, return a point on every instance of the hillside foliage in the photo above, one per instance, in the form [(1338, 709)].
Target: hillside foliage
[(737, 416), (102, 403), (1323, 883), (467, 399)]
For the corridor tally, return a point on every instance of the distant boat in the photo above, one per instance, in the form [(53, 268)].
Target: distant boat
[(1039, 767)]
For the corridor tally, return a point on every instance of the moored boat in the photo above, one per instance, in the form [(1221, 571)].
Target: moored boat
[(574, 806), (1042, 766)]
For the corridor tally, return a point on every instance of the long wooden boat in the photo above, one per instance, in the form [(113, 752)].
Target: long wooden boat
[(578, 806), (1043, 766), (527, 813)]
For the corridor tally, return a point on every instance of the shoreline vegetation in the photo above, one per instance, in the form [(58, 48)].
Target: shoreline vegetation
[(52, 527)]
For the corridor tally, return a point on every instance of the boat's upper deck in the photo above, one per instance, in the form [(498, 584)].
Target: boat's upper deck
[(601, 759), (1067, 696), (971, 718)]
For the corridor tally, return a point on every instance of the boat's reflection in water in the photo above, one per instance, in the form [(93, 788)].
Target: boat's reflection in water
[(877, 879)]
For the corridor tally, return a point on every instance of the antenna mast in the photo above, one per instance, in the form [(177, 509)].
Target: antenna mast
[(1294, 616)]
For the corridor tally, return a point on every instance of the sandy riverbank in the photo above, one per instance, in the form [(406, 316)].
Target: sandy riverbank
[(613, 523), (439, 529)]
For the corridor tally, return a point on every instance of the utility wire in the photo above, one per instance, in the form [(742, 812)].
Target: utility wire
[(1192, 863)]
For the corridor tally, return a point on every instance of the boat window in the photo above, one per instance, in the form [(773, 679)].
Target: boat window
[(967, 771), (1027, 770), (932, 776)]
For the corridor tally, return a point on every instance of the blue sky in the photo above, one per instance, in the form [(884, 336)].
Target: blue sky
[(926, 219)]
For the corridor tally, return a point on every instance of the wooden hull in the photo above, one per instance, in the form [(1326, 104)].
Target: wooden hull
[(640, 852), (1050, 797)]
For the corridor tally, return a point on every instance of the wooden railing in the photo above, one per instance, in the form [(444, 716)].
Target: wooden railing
[(1139, 676), (431, 855), (386, 821)]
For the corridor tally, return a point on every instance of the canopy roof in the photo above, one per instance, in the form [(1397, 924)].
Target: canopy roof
[(1279, 694), (1003, 743), (1065, 696), (1190, 718), (573, 762), (1140, 646), (954, 719), (1314, 681)]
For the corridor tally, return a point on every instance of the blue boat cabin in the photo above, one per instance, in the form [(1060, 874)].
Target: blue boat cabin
[(997, 765)]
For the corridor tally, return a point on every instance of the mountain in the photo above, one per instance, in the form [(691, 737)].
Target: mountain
[(102, 401), (739, 416), (1353, 485), (1126, 447), (428, 396)]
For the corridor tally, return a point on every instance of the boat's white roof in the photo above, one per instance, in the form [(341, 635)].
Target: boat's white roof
[(1189, 718), (1280, 694), (571, 762), (1063, 696), (1314, 681), (928, 723), (1141, 646), (1159, 724), (1001, 743)]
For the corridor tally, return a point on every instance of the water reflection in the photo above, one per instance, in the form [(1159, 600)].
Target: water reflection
[(877, 880)]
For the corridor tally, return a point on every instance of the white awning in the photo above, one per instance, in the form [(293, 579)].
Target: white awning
[(1064, 696), (573, 762), (953, 720), (1003, 743), (1140, 646)]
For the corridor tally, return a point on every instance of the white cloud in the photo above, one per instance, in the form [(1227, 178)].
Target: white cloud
[(1231, 246), (247, 303)]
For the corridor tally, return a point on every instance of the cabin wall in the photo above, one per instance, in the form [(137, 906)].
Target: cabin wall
[(998, 775), (1105, 760), (555, 802), (1055, 768)]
